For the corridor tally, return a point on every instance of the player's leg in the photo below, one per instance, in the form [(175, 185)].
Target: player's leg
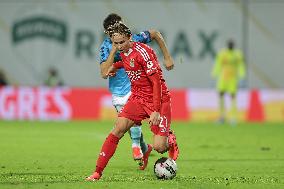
[(143, 144), (222, 109), (164, 138), (139, 147), (160, 143), (135, 135), (233, 109), (142, 151), (134, 111), (166, 143), (173, 146), (122, 125), (233, 92), (221, 88), (146, 157)]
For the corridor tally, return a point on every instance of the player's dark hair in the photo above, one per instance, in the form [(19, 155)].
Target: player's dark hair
[(111, 19), (118, 28), (230, 44)]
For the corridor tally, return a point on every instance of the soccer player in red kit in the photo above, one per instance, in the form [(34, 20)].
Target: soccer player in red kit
[(150, 98)]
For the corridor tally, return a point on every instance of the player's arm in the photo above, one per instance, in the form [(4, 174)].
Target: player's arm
[(157, 36), (157, 98), (217, 66), (111, 71), (150, 65), (241, 66), (107, 59)]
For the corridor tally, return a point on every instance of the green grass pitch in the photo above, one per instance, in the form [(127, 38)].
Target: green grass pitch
[(62, 154)]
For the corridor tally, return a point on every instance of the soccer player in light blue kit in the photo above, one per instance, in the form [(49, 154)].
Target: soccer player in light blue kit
[(119, 85)]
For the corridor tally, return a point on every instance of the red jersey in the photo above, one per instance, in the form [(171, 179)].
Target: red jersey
[(139, 63)]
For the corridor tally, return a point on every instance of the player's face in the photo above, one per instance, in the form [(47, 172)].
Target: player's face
[(121, 42)]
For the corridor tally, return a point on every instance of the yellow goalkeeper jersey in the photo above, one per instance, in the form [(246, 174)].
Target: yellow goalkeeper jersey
[(229, 65)]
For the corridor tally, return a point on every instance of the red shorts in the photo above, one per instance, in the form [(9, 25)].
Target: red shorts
[(136, 111)]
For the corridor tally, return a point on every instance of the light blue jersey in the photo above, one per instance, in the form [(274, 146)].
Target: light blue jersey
[(119, 85)]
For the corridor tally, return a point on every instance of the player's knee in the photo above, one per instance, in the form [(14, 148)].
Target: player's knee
[(121, 127), (118, 130), (160, 148)]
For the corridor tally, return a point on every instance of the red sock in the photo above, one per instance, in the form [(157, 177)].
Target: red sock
[(107, 152)]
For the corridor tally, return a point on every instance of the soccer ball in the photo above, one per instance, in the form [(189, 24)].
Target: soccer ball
[(165, 168)]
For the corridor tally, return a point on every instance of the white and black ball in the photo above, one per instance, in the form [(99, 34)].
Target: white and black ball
[(165, 168)]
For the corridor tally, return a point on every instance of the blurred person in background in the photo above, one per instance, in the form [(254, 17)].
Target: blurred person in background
[(3, 79), (119, 85), (228, 70), (53, 78)]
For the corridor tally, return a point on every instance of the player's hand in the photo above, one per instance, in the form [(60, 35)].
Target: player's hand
[(169, 63), (154, 118), (111, 71), (112, 74), (114, 48)]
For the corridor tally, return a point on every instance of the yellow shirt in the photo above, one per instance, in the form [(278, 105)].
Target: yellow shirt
[(229, 65)]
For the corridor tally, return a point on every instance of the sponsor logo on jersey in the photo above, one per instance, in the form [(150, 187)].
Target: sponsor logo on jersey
[(134, 75), (132, 62), (149, 64)]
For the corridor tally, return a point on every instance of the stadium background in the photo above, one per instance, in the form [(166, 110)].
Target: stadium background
[(36, 35)]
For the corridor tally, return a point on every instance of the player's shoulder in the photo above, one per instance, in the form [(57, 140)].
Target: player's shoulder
[(143, 34), (223, 51), (142, 48), (106, 42), (143, 51), (238, 52), (139, 45)]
